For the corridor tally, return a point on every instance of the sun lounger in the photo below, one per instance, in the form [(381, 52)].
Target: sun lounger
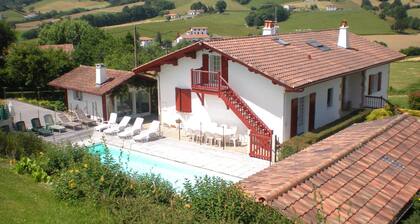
[(66, 122), (50, 124), (152, 131), (117, 128), (21, 126), (131, 131), (107, 124), (39, 129), (81, 117)]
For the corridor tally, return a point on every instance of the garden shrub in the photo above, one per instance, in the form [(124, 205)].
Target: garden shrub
[(221, 200), (379, 114), (61, 157), (414, 100), (155, 188), (31, 166), (17, 145)]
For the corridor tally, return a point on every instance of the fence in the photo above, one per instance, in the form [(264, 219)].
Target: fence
[(30, 93)]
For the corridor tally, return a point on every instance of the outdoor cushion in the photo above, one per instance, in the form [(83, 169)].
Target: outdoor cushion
[(39, 129)]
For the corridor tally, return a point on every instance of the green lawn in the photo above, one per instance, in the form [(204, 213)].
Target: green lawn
[(405, 78), (414, 12), (65, 5), (12, 16), (182, 6), (24, 201), (360, 21)]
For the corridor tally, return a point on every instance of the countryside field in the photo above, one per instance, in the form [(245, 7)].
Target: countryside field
[(182, 6), (405, 78), (397, 41), (48, 5), (414, 12)]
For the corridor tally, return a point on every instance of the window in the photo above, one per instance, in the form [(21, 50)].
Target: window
[(214, 66), (77, 95), (375, 83), (183, 100), (330, 97), (142, 102), (125, 103)]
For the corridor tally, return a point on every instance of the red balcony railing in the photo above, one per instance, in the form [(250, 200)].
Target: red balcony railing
[(205, 80)]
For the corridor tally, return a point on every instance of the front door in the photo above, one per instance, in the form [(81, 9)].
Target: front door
[(293, 117)]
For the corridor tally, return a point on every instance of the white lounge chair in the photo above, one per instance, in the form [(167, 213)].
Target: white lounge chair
[(134, 130), (107, 124), (117, 128), (152, 131)]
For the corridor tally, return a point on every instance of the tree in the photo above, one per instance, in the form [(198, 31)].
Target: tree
[(366, 4), (7, 36), (199, 5), (68, 31), (158, 38), (266, 12), (220, 6), (29, 66), (400, 25)]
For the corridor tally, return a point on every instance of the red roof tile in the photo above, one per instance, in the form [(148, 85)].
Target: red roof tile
[(296, 64), (365, 173), (83, 79)]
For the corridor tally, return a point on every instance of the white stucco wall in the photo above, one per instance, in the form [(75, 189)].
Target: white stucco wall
[(354, 89), (323, 113), (385, 80), (90, 104), (264, 98)]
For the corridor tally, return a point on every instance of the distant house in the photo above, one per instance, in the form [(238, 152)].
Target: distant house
[(367, 173), (98, 91), (195, 12), (173, 16), (274, 86), (194, 34), (30, 16), (68, 48), (331, 8), (145, 41)]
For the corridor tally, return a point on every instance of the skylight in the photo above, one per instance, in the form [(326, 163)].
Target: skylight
[(280, 41), (314, 43)]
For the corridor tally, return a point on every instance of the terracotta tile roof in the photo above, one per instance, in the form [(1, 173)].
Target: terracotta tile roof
[(296, 64), (365, 173), (145, 38), (65, 47), (195, 36), (83, 79)]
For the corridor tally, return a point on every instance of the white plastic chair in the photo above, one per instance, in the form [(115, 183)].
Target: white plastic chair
[(152, 131), (131, 131), (234, 138), (117, 128), (107, 124)]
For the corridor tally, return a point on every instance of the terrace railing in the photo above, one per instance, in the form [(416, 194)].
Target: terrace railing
[(205, 80)]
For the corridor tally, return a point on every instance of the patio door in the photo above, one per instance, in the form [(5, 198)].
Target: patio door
[(215, 66), (143, 102)]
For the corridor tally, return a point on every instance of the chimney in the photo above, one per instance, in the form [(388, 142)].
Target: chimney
[(269, 28), (343, 37), (100, 74)]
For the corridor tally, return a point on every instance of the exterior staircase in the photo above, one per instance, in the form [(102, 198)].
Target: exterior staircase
[(261, 135)]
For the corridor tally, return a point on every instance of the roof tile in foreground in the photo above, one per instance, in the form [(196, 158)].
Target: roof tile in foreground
[(365, 173)]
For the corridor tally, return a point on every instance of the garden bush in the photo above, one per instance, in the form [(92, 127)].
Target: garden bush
[(18, 145), (32, 167), (414, 100), (380, 113), (155, 188), (56, 105)]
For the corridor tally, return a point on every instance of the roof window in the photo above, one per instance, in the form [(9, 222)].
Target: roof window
[(314, 43), (281, 41)]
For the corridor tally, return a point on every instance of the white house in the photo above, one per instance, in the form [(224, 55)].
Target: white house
[(331, 8), (195, 12), (195, 34), (276, 86), (173, 16), (145, 41), (98, 91)]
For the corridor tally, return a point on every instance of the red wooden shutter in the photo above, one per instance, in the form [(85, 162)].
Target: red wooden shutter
[(178, 99), (312, 103), (293, 117), (370, 84), (379, 81), (205, 67), (225, 68), (186, 100)]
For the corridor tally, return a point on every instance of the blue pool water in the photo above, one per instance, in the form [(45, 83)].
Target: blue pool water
[(175, 172)]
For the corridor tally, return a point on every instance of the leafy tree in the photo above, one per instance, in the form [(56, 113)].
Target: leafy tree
[(400, 25), (30, 34), (7, 36), (29, 66), (266, 12), (399, 12), (366, 4), (199, 5), (220, 6), (68, 31), (243, 2), (158, 38)]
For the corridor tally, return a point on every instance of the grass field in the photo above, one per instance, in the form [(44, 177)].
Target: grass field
[(182, 6), (414, 12), (24, 201), (65, 5), (397, 41), (405, 77), (12, 16)]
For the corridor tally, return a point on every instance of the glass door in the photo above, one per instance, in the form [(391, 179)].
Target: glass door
[(214, 66), (142, 102)]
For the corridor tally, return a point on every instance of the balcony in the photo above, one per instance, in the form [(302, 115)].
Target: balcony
[(206, 82)]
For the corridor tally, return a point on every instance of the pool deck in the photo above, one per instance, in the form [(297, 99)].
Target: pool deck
[(234, 164)]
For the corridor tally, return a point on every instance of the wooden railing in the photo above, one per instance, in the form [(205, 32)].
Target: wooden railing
[(205, 80)]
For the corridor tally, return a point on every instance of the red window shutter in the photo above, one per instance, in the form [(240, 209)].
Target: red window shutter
[(186, 100), (379, 81), (178, 99), (225, 68), (370, 84), (293, 117)]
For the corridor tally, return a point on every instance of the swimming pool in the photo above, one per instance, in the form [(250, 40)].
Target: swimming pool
[(175, 172)]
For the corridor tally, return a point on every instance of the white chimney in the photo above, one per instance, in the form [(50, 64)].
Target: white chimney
[(343, 36), (100, 74), (269, 28)]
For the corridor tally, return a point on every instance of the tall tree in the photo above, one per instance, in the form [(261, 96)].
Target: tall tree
[(7, 36), (67, 31), (220, 6)]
